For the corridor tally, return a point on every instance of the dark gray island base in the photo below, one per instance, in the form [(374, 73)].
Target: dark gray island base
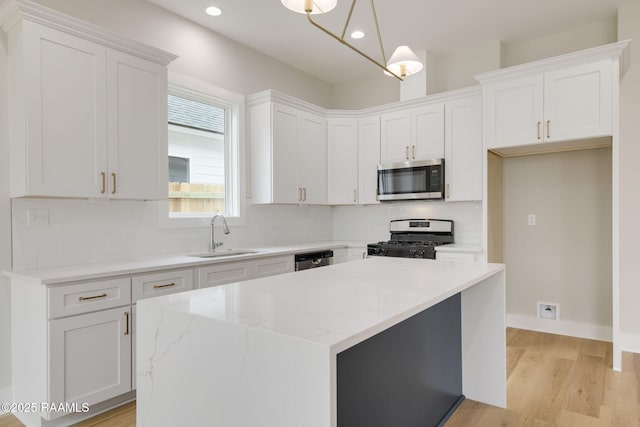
[(409, 375)]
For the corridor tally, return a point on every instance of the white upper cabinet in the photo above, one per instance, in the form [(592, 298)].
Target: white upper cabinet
[(395, 137), (578, 102), (288, 147), (412, 134), (551, 101), (137, 127), (514, 112), (463, 149), (368, 159), (312, 159), (427, 132), (87, 119), (342, 161)]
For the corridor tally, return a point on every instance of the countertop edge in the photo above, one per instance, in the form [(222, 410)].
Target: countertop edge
[(75, 273)]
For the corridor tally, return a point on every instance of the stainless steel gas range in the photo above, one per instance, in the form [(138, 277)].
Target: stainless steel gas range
[(414, 238)]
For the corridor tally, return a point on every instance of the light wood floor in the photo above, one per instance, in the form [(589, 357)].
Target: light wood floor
[(552, 380)]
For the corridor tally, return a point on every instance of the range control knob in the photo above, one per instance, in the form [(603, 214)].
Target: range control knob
[(384, 251), (413, 253), (421, 253)]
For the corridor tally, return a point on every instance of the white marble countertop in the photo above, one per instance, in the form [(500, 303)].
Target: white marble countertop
[(48, 276), (336, 306)]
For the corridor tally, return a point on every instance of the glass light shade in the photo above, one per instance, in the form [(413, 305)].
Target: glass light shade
[(318, 6), (404, 62)]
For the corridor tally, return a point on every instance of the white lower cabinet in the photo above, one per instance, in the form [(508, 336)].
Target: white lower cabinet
[(238, 271), (90, 357), (456, 256)]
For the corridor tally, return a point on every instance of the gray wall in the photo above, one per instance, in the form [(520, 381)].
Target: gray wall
[(566, 257), (629, 28)]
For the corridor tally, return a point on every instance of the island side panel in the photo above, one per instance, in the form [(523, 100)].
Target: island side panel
[(194, 370), (484, 362), (407, 375)]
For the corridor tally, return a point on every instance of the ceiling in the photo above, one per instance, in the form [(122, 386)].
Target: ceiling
[(434, 25)]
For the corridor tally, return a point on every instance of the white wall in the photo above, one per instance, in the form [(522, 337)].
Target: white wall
[(629, 28), (371, 223), (566, 257), (5, 223), (594, 34), (357, 94), (455, 69)]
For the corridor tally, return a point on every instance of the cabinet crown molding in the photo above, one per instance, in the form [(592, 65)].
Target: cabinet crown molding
[(619, 50), (13, 12), (271, 95)]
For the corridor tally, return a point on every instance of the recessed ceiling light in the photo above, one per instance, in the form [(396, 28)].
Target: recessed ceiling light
[(213, 11), (357, 34)]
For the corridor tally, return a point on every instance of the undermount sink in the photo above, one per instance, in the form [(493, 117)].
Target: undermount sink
[(225, 253)]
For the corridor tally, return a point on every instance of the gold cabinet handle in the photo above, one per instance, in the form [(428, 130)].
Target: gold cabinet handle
[(406, 152), (539, 130), (354, 195), (413, 152), (446, 193), (93, 297), (548, 127), (168, 285), (304, 190), (104, 182), (113, 178), (126, 320)]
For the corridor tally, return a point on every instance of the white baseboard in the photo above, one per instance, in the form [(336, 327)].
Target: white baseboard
[(630, 342), (6, 396), (562, 327)]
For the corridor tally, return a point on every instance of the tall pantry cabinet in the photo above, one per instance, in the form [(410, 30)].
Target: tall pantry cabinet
[(88, 114)]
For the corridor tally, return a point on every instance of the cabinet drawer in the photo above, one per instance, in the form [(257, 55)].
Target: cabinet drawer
[(224, 273), (85, 297), (274, 265), (167, 282)]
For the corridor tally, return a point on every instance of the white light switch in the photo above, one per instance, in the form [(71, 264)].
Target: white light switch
[(38, 217), (532, 219)]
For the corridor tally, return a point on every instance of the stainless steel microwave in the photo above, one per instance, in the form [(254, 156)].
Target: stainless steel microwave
[(417, 180)]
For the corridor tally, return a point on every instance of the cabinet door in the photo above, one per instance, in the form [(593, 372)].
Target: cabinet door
[(134, 371), (65, 114), (138, 159), (312, 159), (395, 137), (513, 113), (463, 150), (427, 132), (342, 161), (577, 102), (368, 159), (90, 357), (285, 151)]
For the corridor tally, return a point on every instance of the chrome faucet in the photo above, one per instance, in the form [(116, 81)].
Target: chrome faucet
[(225, 229)]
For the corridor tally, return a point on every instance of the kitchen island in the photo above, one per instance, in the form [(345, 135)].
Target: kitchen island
[(265, 352)]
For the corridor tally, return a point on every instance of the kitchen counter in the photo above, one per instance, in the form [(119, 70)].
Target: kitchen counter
[(49, 276), (264, 352)]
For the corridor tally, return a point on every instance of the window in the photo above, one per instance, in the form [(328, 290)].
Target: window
[(202, 155)]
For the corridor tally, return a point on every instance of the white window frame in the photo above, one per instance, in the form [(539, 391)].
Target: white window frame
[(196, 90)]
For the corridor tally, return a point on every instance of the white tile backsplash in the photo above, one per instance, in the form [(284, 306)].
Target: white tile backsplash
[(83, 231), (371, 223)]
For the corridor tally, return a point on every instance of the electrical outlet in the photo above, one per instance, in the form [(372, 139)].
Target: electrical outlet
[(37, 217), (531, 219), (548, 310)]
